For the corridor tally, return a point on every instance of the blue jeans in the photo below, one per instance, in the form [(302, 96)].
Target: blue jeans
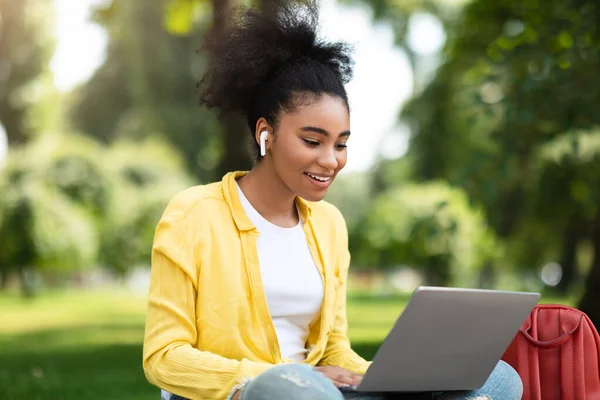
[(302, 382)]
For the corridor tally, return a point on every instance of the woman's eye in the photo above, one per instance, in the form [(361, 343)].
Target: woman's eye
[(341, 146), (311, 142)]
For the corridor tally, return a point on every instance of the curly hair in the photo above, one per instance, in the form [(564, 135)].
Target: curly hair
[(272, 60)]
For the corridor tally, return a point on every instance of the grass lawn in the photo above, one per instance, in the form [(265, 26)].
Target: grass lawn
[(88, 345)]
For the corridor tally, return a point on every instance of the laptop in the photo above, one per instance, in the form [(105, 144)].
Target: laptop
[(447, 339)]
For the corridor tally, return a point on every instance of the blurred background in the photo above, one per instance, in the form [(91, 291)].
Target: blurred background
[(475, 162)]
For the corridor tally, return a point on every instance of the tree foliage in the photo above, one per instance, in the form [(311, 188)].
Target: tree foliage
[(26, 46), (146, 85), (511, 118), (68, 203), (430, 227)]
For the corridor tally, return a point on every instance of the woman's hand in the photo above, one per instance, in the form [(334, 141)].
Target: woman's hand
[(339, 376)]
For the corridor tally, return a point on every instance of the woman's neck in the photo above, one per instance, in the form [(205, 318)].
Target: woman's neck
[(269, 196)]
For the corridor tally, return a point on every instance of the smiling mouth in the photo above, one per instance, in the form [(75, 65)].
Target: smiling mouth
[(319, 178)]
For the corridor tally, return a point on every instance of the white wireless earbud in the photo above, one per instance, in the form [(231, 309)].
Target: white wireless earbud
[(263, 139)]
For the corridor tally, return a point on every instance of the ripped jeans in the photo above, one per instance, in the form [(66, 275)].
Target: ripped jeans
[(302, 382)]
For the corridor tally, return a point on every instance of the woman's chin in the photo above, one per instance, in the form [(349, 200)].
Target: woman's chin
[(313, 196)]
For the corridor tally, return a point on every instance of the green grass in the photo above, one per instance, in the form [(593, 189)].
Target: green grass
[(87, 346), (73, 346)]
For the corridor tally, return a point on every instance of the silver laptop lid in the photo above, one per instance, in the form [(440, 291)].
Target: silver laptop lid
[(447, 339)]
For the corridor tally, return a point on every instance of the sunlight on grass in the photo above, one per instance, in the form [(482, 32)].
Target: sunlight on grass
[(70, 309), (371, 318)]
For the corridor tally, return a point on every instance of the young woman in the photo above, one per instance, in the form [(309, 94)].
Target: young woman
[(248, 286)]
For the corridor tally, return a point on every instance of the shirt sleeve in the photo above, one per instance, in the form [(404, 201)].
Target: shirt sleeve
[(338, 351), (170, 359)]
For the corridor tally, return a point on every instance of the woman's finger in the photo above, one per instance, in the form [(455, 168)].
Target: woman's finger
[(351, 376), (340, 384), (357, 378), (347, 379)]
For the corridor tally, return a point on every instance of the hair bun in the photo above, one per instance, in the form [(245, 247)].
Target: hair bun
[(259, 44)]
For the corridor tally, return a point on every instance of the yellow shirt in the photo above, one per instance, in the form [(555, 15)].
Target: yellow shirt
[(208, 326)]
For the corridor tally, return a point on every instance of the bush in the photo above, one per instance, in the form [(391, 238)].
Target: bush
[(429, 226), (68, 203)]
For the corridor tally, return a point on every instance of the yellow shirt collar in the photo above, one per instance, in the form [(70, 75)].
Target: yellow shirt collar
[(232, 198)]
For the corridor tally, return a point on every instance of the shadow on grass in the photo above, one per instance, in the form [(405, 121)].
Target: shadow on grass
[(366, 350), (36, 366), (110, 372)]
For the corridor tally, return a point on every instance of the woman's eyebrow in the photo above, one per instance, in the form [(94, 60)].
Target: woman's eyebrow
[(322, 131)]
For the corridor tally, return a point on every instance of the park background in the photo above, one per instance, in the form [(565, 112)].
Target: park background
[(474, 162)]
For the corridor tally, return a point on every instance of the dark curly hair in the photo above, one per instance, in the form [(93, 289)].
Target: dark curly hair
[(272, 60)]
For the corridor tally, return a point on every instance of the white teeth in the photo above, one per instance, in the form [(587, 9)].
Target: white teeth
[(320, 179)]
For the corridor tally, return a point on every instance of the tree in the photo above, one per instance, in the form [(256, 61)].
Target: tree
[(236, 155), (26, 46), (518, 82), (141, 189), (398, 15), (146, 86), (41, 228), (69, 203), (236, 138)]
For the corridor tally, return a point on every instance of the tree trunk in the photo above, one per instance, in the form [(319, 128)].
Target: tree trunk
[(28, 282), (236, 155), (488, 276), (590, 302), (568, 260), (236, 152), (3, 279), (11, 119)]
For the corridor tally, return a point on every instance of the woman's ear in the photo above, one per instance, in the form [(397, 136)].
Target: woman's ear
[(262, 134)]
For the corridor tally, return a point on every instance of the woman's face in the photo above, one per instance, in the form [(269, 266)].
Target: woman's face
[(309, 146)]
